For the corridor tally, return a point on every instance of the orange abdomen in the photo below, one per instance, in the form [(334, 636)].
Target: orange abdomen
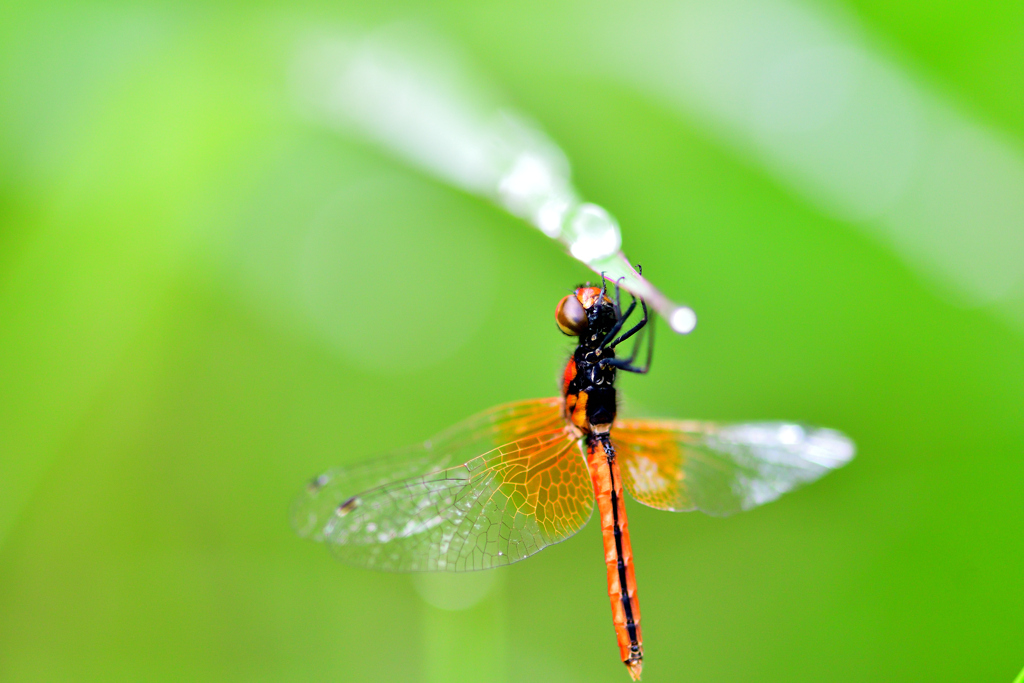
[(618, 555)]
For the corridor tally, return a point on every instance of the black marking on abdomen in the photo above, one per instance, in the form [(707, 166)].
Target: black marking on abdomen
[(627, 604)]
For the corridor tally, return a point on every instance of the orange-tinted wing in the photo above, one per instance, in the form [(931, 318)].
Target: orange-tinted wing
[(435, 508), (722, 469)]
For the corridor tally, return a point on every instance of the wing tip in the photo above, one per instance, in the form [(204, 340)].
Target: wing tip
[(831, 448), (827, 448)]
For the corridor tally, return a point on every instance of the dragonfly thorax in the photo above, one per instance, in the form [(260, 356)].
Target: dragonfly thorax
[(589, 384)]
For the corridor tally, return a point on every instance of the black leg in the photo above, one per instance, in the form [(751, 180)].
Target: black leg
[(626, 364), (620, 319), (617, 306), (650, 347), (623, 364), (618, 323), (636, 328)]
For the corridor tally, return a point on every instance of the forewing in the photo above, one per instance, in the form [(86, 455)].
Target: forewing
[(497, 426), (475, 435), (722, 469), (496, 508)]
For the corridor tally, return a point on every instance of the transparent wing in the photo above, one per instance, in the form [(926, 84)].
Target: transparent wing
[(435, 512), (722, 469), (475, 435)]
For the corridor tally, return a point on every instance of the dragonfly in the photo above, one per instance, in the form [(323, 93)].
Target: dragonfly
[(510, 481)]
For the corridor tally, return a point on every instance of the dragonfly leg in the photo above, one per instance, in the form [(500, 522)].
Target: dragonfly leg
[(626, 364), (620, 320), (636, 328)]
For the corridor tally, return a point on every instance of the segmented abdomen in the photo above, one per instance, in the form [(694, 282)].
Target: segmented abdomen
[(618, 556)]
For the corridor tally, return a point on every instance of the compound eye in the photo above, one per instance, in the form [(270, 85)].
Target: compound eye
[(571, 316)]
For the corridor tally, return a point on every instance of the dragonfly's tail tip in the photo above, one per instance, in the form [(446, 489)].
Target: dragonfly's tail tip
[(635, 666)]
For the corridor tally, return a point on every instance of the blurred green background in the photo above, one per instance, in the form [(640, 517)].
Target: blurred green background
[(206, 298)]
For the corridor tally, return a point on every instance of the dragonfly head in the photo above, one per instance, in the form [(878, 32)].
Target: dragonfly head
[(575, 311), (571, 316)]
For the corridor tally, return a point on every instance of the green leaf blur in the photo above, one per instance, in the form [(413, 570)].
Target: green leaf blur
[(206, 299)]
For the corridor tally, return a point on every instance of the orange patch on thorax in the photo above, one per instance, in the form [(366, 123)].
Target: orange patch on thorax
[(568, 376)]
